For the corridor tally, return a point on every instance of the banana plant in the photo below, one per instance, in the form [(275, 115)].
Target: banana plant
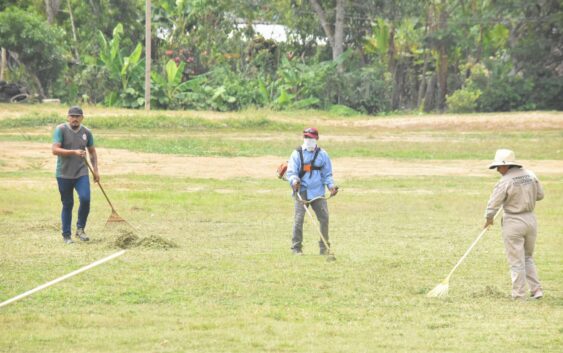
[(378, 43), (170, 83), (121, 68)]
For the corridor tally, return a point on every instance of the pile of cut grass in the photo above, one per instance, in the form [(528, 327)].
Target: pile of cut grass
[(128, 239)]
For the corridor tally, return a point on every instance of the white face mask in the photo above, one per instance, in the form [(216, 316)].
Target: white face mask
[(309, 144)]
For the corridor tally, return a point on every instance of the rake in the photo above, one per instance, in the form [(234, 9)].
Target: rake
[(441, 290), (329, 256), (114, 217)]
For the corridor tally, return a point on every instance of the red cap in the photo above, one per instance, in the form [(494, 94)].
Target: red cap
[(311, 132)]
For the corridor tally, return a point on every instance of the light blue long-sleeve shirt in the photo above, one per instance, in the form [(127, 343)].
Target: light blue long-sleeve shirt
[(313, 182)]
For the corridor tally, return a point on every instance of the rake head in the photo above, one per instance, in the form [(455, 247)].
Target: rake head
[(441, 290), (115, 218)]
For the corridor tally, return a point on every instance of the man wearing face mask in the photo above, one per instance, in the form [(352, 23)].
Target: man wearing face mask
[(309, 172), (70, 142)]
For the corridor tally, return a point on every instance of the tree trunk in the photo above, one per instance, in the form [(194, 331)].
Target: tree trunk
[(397, 86), (336, 38), (74, 37), (148, 58), (324, 23), (391, 51), (52, 8), (429, 97), (479, 45), (39, 85), (442, 77), (338, 48), (423, 80), (3, 63), (442, 60), (422, 87)]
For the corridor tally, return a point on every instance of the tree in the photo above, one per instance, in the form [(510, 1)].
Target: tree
[(35, 44), (334, 35)]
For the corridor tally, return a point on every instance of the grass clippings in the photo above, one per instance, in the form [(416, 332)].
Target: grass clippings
[(156, 242), (489, 292), (126, 240)]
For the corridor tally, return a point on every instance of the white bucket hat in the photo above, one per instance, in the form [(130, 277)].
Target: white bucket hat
[(504, 157)]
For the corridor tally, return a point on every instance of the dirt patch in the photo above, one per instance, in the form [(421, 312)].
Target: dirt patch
[(18, 156)]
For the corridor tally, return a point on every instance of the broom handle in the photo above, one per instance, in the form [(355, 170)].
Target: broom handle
[(99, 184), (471, 247)]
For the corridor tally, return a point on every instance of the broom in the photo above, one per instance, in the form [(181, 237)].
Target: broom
[(441, 290)]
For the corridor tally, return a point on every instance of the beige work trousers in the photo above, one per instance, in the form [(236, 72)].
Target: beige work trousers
[(519, 234)]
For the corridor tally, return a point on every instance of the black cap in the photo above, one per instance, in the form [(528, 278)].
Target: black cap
[(76, 110)]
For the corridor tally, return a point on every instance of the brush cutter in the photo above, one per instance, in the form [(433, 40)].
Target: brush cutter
[(114, 217), (330, 256), (305, 202), (441, 290)]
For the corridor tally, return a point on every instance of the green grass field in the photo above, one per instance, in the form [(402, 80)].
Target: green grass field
[(232, 285)]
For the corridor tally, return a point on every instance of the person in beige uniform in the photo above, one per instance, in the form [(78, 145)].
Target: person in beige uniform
[(517, 192)]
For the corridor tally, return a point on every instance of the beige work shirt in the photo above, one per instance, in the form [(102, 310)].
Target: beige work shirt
[(517, 191)]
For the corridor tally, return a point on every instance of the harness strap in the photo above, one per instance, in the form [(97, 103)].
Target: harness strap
[(308, 167)]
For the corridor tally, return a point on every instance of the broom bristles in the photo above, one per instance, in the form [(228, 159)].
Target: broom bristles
[(439, 291)]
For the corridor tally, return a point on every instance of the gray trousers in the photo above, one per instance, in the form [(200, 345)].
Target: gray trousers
[(519, 234), (320, 206)]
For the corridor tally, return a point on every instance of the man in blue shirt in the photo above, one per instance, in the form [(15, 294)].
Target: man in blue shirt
[(70, 142), (309, 171)]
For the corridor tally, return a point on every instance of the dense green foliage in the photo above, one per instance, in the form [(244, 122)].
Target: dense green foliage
[(40, 47), (398, 55)]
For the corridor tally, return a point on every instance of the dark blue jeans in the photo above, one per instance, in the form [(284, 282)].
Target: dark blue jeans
[(66, 189)]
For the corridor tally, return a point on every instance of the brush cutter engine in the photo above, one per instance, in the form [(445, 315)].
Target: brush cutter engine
[(281, 172)]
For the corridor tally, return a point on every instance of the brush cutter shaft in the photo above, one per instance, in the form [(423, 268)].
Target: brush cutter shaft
[(471, 247), (316, 198), (314, 222)]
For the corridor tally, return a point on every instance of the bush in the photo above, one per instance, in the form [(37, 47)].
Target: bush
[(463, 100), (501, 89), (342, 110), (365, 90), (504, 94)]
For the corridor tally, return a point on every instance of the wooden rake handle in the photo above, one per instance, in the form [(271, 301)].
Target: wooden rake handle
[(99, 184)]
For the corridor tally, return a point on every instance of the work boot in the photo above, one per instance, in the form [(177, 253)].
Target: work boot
[(538, 294), (81, 235), (67, 240), (297, 252)]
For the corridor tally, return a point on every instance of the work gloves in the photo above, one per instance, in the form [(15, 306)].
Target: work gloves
[(296, 185)]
